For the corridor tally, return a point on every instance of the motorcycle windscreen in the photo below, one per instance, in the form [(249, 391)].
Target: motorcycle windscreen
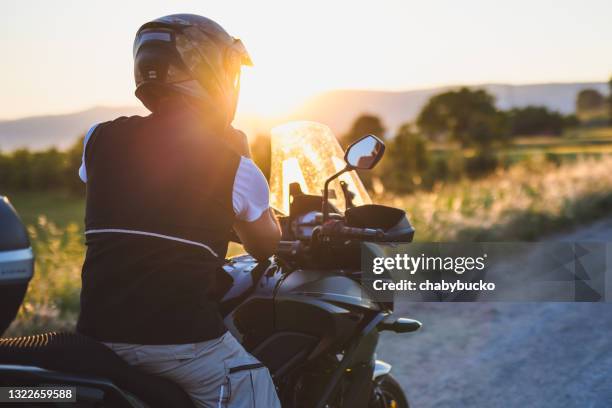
[(308, 153)]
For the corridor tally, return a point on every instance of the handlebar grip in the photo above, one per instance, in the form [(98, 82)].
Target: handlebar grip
[(361, 233)]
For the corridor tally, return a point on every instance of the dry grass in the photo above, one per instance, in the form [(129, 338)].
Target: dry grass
[(520, 203), (52, 300)]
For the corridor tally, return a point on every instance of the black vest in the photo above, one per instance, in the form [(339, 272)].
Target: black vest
[(158, 217)]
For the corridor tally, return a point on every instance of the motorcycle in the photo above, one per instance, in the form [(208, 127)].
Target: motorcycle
[(304, 313)]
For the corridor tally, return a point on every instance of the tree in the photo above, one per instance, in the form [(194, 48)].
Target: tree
[(589, 100), (570, 121), (409, 150), (533, 120), (365, 124), (407, 160), (465, 116), (73, 162), (20, 171), (47, 170)]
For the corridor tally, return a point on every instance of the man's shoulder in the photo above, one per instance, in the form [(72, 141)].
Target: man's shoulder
[(125, 121)]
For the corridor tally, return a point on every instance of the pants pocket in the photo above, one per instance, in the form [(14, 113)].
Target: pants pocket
[(162, 354), (248, 385)]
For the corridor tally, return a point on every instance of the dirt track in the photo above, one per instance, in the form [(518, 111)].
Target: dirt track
[(507, 354)]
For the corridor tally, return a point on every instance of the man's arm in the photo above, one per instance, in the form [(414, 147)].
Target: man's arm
[(83, 168), (260, 237), (256, 225)]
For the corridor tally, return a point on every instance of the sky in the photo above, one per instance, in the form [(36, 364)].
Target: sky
[(64, 56)]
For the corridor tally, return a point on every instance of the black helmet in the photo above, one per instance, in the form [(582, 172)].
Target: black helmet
[(191, 55)]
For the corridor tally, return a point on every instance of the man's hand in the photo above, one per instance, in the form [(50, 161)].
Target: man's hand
[(260, 238), (238, 141)]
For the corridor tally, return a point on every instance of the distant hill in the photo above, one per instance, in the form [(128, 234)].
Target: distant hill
[(337, 109), (40, 132)]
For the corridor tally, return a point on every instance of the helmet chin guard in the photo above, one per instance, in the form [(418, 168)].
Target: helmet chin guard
[(190, 55)]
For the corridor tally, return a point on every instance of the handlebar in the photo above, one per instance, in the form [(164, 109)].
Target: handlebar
[(314, 234), (339, 230), (291, 249), (360, 233)]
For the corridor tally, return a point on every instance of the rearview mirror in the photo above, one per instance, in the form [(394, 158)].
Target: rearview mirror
[(365, 152)]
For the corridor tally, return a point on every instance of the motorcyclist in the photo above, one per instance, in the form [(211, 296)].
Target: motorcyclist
[(163, 194)]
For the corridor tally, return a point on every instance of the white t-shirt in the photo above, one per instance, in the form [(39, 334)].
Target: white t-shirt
[(251, 194)]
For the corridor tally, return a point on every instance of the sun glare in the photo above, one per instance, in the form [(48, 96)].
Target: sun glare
[(308, 153), (262, 92), (292, 173)]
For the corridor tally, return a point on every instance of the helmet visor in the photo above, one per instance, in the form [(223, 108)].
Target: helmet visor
[(152, 35)]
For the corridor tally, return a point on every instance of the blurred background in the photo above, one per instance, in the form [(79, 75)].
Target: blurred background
[(497, 116)]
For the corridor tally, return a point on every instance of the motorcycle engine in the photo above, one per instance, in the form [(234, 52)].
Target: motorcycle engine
[(16, 263)]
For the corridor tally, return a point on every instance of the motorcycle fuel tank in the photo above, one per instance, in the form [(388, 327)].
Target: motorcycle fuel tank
[(280, 314), (248, 306)]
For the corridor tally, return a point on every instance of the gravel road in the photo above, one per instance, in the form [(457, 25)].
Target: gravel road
[(507, 354)]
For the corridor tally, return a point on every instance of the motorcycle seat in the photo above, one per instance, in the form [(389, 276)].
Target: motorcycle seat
[(74, 353)]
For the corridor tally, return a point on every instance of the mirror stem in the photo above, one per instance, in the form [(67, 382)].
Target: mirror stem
[(325, 207)]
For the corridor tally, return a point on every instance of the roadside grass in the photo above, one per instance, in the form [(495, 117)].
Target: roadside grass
[(521, 203), (52, 299), (54, 221)]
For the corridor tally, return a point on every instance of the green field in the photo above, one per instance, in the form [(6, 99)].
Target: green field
[(60, 208), (574, 143)]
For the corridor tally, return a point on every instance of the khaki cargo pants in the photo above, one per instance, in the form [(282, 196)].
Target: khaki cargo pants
[(217, 373)]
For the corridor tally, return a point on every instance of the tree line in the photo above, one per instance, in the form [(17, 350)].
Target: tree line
[(466, 119), (49, 169)]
